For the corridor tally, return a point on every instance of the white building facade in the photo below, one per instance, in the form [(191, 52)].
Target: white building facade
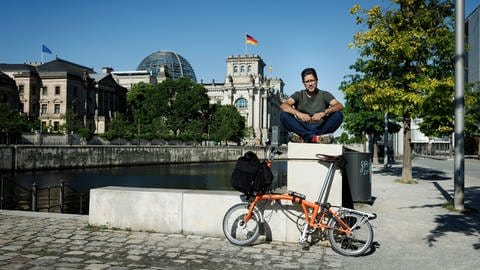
[(256, 97)]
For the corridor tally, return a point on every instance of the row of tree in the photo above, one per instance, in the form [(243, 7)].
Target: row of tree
[(176, 110), (171, 110), (405, 69), (12, 124)]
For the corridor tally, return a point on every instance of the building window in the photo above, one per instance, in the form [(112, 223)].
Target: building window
[(21, 89), (44, 109), (56, 125), (249, 68), (235, 69), (44, 91), (241, 103), (242, 69), (57, 108), (57, 90), (22, 107)]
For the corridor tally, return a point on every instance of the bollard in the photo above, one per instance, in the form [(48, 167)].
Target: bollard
[(34, 196), (81, 203), (1, 193), (62, 189)]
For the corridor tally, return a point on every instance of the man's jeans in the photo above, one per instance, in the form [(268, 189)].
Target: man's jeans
[(308, 130)]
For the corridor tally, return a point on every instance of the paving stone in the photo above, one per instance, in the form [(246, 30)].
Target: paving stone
[(69, 243)]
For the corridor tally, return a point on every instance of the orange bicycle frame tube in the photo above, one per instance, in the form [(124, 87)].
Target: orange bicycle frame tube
[(305, 206), (285, 197)]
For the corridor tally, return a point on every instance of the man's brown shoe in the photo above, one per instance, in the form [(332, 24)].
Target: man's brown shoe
[(296, 138)]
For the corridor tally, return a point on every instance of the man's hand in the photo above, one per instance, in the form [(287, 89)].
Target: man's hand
[(318, 116), (303, 117)]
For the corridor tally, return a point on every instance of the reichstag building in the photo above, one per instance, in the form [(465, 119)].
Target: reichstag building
[(48, 90)]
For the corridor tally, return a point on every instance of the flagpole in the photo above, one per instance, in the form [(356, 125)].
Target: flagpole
[(245, 40), (41, 57)]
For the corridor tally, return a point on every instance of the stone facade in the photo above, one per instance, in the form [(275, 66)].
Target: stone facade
[(8, 91), (49, 90), (256, 97)]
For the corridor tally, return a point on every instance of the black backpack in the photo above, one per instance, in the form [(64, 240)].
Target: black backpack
[(251, 175)]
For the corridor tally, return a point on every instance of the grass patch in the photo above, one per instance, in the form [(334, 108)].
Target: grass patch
[(95, 228), (406, 181), (450, 207)]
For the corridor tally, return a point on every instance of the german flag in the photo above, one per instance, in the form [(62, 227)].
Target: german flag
[(251, 40)]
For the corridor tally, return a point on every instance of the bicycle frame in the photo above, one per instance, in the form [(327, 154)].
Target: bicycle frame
[(306, 206)]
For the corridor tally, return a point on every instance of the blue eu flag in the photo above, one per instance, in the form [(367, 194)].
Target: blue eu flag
[(46, 50)]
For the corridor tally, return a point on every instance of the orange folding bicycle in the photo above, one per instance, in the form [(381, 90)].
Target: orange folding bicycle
[(349, 231)]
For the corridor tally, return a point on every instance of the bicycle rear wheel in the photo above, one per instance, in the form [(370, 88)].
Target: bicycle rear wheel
[(355, 243), (236, 230)]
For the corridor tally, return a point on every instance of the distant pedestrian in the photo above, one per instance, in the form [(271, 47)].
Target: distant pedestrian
[(311, 114)]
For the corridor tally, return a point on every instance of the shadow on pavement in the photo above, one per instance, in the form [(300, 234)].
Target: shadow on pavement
[(419, 173), (467, 223)]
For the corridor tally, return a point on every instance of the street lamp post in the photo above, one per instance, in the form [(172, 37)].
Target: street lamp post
[(459, 184)]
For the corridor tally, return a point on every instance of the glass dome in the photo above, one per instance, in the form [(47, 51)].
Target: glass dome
[(177, 66)]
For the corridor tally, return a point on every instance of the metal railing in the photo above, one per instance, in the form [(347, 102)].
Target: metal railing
[(59, 196)]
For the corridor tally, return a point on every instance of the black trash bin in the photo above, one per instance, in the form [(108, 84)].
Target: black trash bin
[(359, 175)]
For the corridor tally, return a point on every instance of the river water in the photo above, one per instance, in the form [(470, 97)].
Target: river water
[(203, 176)]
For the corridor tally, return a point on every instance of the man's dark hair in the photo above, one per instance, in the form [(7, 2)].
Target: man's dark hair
[(309, 71)]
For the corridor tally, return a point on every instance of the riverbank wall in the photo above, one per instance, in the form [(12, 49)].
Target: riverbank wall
[(28, 157)]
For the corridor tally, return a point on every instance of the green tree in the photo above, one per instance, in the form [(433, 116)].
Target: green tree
[(72, 123), (187, 109), (407, 54), (118, 127), (361, 120), (227, 124), (8, 123), (13, 123), (147, 107)]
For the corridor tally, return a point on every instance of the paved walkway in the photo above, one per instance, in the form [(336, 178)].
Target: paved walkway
[(413, 231), (55, 241)]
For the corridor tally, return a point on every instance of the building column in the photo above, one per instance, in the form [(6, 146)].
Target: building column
[(251, 101)]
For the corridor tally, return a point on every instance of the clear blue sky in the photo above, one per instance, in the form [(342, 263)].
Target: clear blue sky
[(119, 33)]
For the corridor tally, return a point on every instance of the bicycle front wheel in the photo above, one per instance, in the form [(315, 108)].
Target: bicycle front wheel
[(238, 231), (357, 241)]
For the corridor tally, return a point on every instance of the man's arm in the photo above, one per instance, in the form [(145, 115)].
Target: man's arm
[(287, 106), (335, 106)]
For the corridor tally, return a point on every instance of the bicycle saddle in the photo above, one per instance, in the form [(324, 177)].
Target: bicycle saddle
[(328, 158)]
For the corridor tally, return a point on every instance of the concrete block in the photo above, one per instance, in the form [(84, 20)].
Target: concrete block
[(203, 211), (306, 174), (140, 209)]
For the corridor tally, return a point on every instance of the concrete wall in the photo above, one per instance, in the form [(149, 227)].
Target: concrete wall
[(198, 212), (201, 212), (28, 157)]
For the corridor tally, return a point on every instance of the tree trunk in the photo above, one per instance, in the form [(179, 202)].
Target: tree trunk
[(375, 153), (407, 152)]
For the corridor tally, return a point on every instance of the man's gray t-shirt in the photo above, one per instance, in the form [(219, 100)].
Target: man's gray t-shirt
[(312, 105)]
